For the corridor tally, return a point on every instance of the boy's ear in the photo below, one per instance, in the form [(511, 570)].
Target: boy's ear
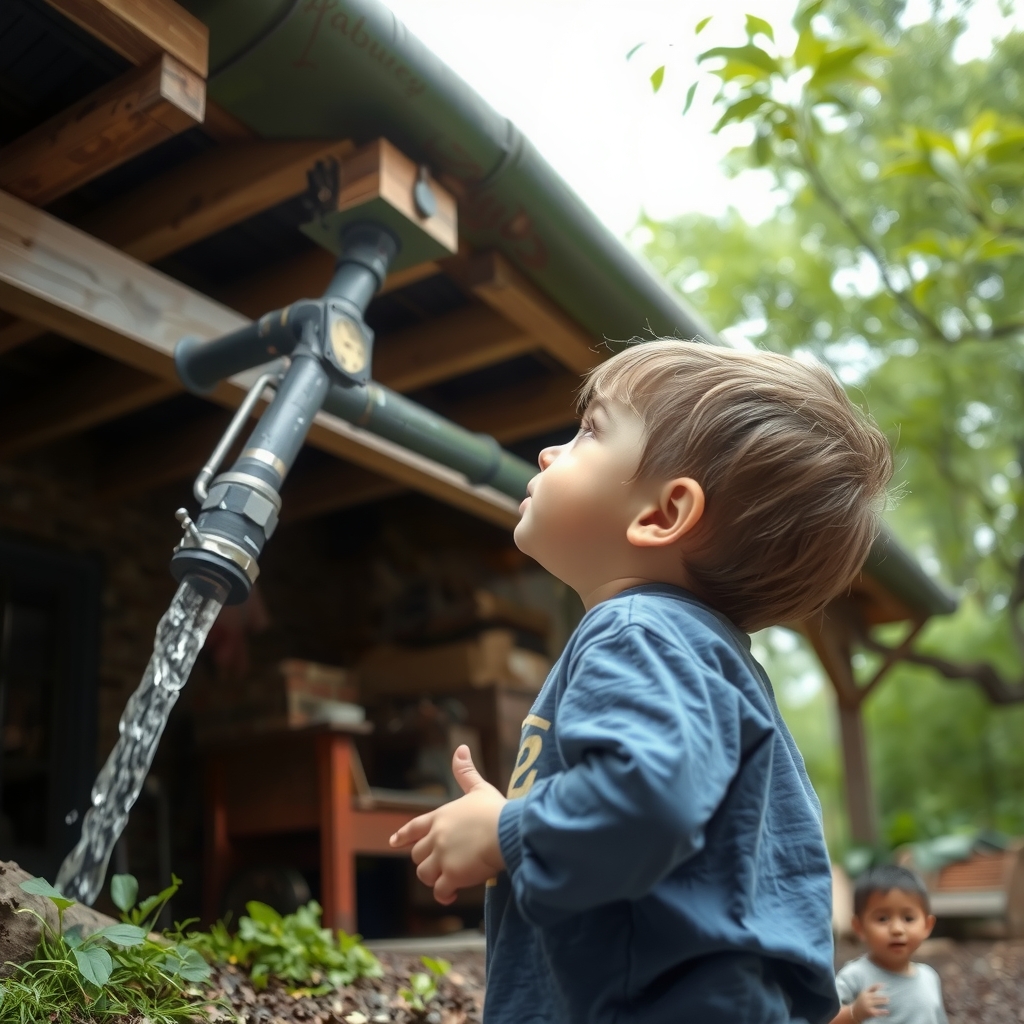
[(929, 924), (858, 927), (676, 510)]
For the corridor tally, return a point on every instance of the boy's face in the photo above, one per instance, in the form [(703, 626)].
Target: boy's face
[(892, 926), (579, 505)]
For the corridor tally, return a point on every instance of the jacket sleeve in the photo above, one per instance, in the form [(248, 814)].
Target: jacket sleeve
[(651, 740)]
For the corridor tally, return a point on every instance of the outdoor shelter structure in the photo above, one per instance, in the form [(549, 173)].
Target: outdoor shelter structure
[(155, 164)]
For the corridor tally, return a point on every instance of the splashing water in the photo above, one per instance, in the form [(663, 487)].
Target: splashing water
[(179, 638)]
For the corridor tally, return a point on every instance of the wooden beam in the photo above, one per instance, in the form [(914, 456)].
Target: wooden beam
[(140, 30), (77, 402), (445, 347), (126, 117), (303, 277), (520, 411), (493, 280), (331, 488), (214, 191), (89, 292)]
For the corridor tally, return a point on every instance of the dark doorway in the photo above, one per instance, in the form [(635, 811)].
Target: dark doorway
[(49, 647)]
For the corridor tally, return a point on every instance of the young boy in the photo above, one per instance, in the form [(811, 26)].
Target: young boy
[(892, 918), (659, 858)]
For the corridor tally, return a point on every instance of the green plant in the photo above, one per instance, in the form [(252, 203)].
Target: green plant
[(293, 947), (118, 971), (422, 988)]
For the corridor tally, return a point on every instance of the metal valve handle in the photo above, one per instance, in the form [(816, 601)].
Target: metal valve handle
[(201, 486)]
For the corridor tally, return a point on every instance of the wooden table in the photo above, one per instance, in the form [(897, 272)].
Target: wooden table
[(299, 780)]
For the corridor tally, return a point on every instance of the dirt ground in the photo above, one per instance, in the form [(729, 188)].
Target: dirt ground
[(982, 982)]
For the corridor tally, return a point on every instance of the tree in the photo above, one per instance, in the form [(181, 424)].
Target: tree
[(897, 258)]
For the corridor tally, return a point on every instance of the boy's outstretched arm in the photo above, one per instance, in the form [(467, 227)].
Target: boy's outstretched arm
[(457, 845)]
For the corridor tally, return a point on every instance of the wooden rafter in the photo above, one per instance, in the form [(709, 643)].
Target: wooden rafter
[(69, 282), (133, 113), (77, 402), (140, 30), (520, 411), (204, 196), (302, 277), (493, 280), (447, 346)]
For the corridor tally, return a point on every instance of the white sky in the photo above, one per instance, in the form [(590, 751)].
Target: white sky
[(557, 68)]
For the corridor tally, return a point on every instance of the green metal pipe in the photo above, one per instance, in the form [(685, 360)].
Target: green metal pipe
[(393, 416)]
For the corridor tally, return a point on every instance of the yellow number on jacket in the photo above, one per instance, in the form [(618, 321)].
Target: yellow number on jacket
[(525, 774)]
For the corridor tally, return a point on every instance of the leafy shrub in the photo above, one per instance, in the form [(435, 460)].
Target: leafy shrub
[(293, 947), (119, 971)]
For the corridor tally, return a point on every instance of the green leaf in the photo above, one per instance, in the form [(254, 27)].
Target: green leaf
[(702, 24), (913, 166), (805, 13), (73, 936), (742, 109), (41, 887), (833, 63), (690, 93), (750, 55), (657, 77), (187, 964), (94, 963), (758, 26), (263, 914), (124, 891), (436, 966), (634, 50), (809, 49), (126, 935)]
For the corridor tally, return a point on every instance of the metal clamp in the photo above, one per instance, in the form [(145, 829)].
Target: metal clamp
[(195, 538), (202, 484)]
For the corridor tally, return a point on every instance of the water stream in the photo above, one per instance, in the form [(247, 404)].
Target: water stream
[(180, 636)]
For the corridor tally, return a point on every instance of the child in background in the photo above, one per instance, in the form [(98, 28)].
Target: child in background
[(659, 857), (891, 916)]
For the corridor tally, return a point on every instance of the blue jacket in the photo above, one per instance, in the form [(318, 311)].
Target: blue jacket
[(663, 844)]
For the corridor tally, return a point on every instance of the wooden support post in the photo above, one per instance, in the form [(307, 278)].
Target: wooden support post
[(219, 853), (832, 637), (337, 853), (493, 280), (860, 802), (117, 122)]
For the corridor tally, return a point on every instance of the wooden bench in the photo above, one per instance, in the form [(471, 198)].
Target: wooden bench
[(310, 780)]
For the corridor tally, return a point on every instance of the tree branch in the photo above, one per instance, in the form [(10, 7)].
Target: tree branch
[(986, 676)]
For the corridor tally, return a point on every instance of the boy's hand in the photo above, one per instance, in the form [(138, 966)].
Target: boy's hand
[(870, 1003), (457, 845)]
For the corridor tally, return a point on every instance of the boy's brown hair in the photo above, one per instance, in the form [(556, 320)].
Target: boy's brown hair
[(794, 475)]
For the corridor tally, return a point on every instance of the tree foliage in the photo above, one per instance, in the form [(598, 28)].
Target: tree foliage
[(896, 255)]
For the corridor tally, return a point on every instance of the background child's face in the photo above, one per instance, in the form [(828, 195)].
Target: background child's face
[(892, 926), (574, 522)]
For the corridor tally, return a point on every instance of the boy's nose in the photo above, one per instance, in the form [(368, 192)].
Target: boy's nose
[(548, 455)]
